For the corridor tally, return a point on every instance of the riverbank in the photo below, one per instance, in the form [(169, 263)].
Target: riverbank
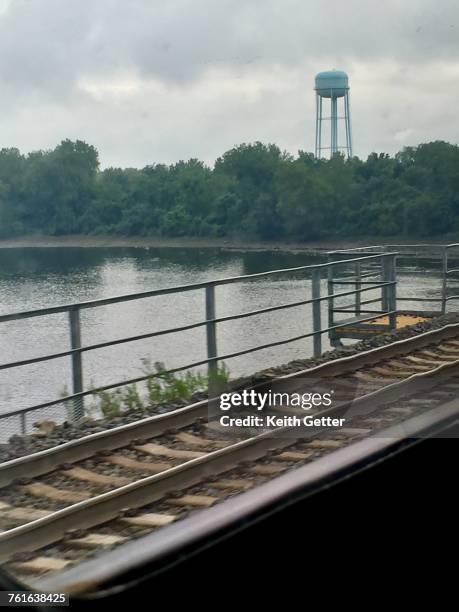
[(222, 243)]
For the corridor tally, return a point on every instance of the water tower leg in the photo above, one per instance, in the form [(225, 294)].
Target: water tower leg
[(317, 126), (346, 123), (334, 125), (319, 146), (347, 115)]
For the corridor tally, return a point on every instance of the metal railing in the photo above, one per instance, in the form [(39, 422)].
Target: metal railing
[(386, 261), (419, 251), (355, 325)]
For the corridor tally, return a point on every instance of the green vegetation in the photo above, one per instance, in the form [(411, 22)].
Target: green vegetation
[(254, 191), (161, 388)]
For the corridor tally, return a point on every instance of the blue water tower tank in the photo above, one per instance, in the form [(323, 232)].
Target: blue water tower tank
[(332, 90), (332, 84)]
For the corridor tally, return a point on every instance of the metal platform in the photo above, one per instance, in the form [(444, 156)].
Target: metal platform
[(355, 329)]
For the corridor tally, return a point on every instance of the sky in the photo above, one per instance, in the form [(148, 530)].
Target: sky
[(155, 81)]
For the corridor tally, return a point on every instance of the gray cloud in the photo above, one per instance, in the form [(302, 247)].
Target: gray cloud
[(149, 81)]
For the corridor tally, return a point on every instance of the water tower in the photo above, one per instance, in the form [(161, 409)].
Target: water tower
[(333, 85)]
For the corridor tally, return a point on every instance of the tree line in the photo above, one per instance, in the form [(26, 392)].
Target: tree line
[(253, 191)]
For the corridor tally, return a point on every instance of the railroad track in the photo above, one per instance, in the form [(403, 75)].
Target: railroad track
[(59, 506)]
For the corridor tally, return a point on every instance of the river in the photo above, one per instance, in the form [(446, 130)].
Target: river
[(40, 277)]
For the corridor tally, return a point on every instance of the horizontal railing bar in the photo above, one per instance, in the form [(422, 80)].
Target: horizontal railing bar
[(352, 306), (452, 271), (382, 312), (357, 249), (417, 299), (177, 289), (396, 247), (102, 302), (368, 274), (363, 274), (163, 332), (355, 291), (195, 364), (345, 306), (352, 279), (31, 360), (349, 276), (362, 303), (373, 301), (452, 297), (354, 282)]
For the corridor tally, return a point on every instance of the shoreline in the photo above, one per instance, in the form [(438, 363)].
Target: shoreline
[(317, 246)]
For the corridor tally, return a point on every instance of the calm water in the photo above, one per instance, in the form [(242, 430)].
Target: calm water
[(39, 277)]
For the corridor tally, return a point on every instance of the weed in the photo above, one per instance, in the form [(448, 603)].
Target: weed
[(161, 387), (110, 403)]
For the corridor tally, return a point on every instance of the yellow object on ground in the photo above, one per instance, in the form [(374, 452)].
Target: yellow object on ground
[(403, 320)]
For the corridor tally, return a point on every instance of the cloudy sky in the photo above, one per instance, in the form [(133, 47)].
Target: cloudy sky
[(150, 81)]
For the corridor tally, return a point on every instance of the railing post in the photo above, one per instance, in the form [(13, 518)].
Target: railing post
[(316, 314), (358, 286), (389, 292), (23, 423), (445, 280), (77, 366), (211, 336), (393, 291), (384, 279), (331, 305)]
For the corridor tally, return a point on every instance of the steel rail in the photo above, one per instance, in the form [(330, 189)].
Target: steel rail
[(114, 569), (107, 506), (394, 349), (46, 460)]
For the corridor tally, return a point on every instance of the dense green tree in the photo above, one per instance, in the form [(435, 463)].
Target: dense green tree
[(305, 201), (58, 187), (253, 191), (252, 169)]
